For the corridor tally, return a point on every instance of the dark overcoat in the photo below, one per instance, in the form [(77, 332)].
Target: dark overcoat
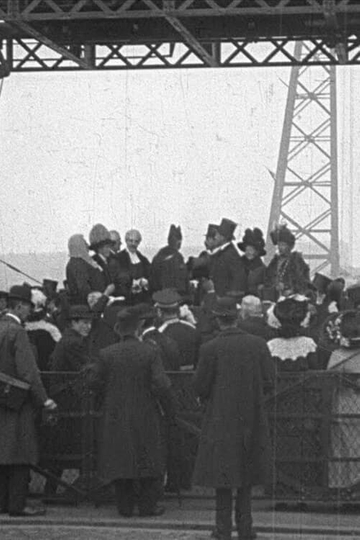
[(294, 273), (18, 440), (187, 339), (169, 271), (227, 271), (234, 447), (255, 274), (140, 270), (129, 376), (82, 279), (71, 353)]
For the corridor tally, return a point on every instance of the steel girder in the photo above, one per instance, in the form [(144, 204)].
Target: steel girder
[(44, 55), (306, 183), (52, 35)]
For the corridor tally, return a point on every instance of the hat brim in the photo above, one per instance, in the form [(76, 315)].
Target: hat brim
[(84, 316), (21, 298), (225, 314)]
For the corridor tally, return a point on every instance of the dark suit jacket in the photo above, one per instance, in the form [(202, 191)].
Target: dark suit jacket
[(227, 271)]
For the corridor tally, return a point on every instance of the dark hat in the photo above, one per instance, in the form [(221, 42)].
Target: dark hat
[(350, 324), (110, 313), (145, 311), (174, 234), (253, 237), (282, 234), (227, 228), (4, 294), (127, 320), (81, 311), (291, 310), (236, 295), (211, 230), (354, 294), (21, 292), (225, 307), (99, 236), (321, 282), (167, 299)]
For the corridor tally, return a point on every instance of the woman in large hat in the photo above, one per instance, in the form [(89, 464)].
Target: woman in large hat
[(287, 272), (345, 431), (292, 350), (253, 246)]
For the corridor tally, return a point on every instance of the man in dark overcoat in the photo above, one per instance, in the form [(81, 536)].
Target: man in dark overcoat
[(227, 269), (234, 447), (168, 268), (130, 378), (18, 440)]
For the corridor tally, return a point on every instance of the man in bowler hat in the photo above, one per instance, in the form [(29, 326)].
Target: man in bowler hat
[(18, 440)]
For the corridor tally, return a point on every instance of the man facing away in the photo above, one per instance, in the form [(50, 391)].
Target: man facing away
[(18, 440), (234, 441), (130, 378)]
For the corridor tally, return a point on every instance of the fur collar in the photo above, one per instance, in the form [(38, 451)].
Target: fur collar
[(44, 325)]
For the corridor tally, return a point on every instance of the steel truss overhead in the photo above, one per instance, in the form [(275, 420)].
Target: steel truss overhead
[(46, 35), (306, 184)]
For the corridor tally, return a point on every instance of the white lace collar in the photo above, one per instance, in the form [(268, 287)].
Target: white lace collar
[(291, 348)]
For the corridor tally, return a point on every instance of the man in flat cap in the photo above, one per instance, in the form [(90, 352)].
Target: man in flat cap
[(234, 442), (168, 268), (130, 379), (18, 438), (227, 269)]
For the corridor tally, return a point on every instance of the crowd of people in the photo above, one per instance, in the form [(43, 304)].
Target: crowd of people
[(126, 321)]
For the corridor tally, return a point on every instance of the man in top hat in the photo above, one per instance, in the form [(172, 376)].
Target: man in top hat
[(227, 270), (136, 266), (168, 268), (130, 379), (234, 442), (287, 272), (72, 353), (182, 332), (18, 438)]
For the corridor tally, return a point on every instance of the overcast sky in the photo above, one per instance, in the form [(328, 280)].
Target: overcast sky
[(146, 149)]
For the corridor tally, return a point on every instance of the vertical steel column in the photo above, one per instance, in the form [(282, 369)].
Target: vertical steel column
[(305, 192)]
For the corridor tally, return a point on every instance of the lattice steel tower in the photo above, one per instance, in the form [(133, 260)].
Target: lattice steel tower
[(306, 185)]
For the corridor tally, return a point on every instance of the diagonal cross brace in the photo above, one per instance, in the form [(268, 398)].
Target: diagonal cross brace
[(51, 44), (191, 40)]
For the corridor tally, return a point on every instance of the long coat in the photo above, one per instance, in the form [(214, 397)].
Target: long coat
[(71, 353), (234, 448), (227, 271), (288, 273), (255, 274), (129, 376), (18, 440), (140, 270), (82, 279), (169, 271)]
